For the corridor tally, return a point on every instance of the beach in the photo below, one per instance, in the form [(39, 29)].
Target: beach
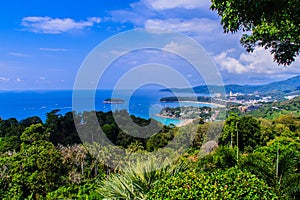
[(185, 122), (182, 122)]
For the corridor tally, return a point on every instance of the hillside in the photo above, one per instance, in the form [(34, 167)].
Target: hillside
[(275, 109), (289, 86)]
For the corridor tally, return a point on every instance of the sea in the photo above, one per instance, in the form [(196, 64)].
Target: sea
[(144, 103)]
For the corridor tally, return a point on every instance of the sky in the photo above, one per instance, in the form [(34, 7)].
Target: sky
[(44, 43)]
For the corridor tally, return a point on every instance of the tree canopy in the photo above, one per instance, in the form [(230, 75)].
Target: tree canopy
[(272, 24), (253, 158)]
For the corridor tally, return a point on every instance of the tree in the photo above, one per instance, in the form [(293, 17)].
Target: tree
[(12, 143), (74, 157), (10, 127), (272, 24), (159, 140), (34, 133), (223, 158), (246, 128), (30, 120), (62, 128), (33, 172), (277, 164), (229, 129), (53, 123)]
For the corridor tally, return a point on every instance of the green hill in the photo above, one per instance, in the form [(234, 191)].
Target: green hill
[(275, 109), (285, 87)]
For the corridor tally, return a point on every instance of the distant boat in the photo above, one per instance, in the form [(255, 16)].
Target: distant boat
[(114, 101)]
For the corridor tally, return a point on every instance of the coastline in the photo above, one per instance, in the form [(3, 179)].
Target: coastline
[(183, 122), (197, 102)]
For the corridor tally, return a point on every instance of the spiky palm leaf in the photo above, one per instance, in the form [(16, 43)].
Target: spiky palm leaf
[(287, 183), (137, 179)]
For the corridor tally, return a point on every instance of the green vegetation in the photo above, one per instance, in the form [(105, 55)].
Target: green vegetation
[(276, 89), (195, 99), (136, 180), (276, 109), (243, 132), (187, 112), (228, 184), (242, 158), (272, 24)]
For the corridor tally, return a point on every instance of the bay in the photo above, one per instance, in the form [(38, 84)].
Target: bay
[(144, 103)]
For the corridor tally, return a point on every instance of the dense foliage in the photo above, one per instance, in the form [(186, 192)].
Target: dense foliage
[(187, 112), (229, 184), (243, 158), (175, 99), (272, 24), (276, 109)]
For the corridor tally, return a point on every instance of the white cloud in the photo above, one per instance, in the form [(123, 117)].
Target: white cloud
[(19, 80), (53, 49), (172, 46), (181, 48), (197, 25), (140, 11), (229, 64), (171, 4), (186, 50), (17, 54), (259, 62), (4, 78), (48, 25), (42, 78), (200, 23)]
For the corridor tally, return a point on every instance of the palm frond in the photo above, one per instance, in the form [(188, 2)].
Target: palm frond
[(137, 179)]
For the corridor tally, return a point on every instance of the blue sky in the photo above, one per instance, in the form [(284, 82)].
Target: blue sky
[(43, 43)]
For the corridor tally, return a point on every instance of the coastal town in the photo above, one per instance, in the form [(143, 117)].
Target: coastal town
[(240, 102), (249, 102)]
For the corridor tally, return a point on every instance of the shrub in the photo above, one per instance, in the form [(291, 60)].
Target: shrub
[(230, 184)]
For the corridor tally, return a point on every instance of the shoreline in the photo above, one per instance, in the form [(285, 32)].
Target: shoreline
[(183, 122), (197, 102)]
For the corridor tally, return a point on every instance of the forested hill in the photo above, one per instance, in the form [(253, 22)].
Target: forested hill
[(289, 86)]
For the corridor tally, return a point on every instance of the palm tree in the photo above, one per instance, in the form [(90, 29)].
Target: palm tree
[(75, 157), (285, 178), (137, 179)]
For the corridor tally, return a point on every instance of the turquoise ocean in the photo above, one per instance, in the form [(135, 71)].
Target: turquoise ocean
[(144, 103)]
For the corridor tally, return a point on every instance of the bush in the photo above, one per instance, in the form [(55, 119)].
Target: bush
[(230, 184), (86, 191)]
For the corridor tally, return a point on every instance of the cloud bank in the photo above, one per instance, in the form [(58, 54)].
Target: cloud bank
[(48, 25)]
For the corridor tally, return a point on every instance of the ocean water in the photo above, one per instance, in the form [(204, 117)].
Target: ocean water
[(143, 103)]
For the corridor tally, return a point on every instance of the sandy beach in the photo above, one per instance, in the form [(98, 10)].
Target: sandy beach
[(185, 122)]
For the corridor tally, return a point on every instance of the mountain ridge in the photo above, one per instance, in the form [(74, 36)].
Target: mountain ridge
[(288, 86)]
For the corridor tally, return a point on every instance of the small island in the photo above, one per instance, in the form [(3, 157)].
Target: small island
[(114, 101), (186, 99)]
